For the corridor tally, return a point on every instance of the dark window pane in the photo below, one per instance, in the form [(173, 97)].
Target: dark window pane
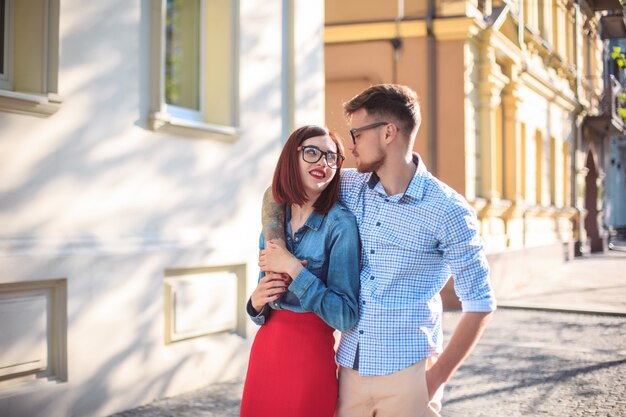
[(2, 35), (182, 53)]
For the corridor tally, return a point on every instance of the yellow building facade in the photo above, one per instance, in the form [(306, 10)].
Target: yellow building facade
[(504, 87)]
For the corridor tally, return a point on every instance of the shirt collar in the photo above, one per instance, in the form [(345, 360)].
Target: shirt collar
[(415, 190), (313, 222)]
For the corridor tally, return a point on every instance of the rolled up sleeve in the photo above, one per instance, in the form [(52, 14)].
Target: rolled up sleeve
[(463, 251)]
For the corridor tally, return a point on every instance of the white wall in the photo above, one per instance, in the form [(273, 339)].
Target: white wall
[(90, 195)]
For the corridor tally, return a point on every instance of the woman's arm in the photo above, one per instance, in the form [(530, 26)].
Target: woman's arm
[(270, 288), (335, 301), (273, 218)]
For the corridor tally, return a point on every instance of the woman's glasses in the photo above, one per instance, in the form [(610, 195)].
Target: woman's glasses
[(312, 154)]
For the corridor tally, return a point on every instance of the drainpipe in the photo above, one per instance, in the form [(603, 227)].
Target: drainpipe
[(288, 96), (577, 128), (431, 58), (396, 42)]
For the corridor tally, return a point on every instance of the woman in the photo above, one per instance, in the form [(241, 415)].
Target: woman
[(312, 290)]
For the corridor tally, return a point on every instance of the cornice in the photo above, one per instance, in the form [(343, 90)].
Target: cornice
[(449, 28), (457, 28), (362, 32)]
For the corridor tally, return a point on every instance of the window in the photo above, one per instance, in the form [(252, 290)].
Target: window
[(194, 68), (566, 176), (5, 77), (33, 341), (499, 151), (182, 57), (539, 168), (29, 54), (555, 174), (523, 161)]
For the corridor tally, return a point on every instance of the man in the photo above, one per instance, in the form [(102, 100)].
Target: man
[(415, 232)]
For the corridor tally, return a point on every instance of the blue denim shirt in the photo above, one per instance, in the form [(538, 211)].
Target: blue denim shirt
[(329, 284)]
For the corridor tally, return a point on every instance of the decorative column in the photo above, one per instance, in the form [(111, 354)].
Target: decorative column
[(492, 82), (512, 143)]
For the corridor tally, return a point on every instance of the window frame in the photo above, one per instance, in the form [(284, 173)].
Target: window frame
[(40, 99), (5, 76), (183, 121)]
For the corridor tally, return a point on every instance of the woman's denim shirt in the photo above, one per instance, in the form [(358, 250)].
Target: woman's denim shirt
[(329, 284)]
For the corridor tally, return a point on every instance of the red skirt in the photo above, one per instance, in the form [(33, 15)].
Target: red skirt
[(292, 370)]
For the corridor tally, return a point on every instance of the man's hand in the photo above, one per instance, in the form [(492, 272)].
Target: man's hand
[(440, 369)]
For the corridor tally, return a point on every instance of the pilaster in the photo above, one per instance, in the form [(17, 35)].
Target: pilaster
[(492, 82), (512, 142)]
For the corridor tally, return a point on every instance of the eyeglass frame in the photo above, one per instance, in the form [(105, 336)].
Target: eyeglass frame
[(363, 128), (340, 157)]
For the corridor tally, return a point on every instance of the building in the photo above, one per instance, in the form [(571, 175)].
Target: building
[(136, 140), (605, 145), (505, 87)]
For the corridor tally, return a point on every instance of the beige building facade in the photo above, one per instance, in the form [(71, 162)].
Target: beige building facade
[(136, 140), (504, 87)]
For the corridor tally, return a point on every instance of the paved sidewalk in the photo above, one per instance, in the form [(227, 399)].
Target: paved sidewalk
[(558, 351), (591, 284)]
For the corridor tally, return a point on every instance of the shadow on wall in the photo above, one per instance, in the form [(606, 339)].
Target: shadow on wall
[(104, 181)]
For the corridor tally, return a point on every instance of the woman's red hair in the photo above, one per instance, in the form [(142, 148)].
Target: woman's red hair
[(287, 187)]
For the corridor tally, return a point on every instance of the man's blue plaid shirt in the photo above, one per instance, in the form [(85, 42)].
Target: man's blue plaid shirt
[(411, 244)]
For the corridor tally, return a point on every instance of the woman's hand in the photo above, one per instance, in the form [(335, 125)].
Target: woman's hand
[(269, 289), (275, 258)]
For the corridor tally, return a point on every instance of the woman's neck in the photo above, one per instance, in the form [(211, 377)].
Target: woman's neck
[(299, 215)]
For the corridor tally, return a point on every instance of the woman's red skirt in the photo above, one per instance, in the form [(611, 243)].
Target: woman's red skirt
[(292, 370)]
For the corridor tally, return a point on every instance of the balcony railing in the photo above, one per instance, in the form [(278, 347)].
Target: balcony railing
[(609, 121)]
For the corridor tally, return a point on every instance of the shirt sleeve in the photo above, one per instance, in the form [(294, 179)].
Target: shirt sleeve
[(464, 253), (349, 187), (335, 301), (261, 317)]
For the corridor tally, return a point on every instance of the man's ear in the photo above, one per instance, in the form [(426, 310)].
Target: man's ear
[(391, 133)]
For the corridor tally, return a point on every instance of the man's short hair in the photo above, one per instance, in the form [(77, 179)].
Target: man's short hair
[(388, 100)]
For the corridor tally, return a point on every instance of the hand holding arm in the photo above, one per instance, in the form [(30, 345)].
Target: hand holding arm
[(278, 259)]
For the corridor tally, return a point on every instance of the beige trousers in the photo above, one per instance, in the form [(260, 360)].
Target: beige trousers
[(401, 394)]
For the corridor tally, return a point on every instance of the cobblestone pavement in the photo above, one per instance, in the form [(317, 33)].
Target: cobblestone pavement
[(528, 363), (535, 363)]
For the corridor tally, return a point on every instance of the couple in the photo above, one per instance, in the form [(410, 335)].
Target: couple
[(381, 291)]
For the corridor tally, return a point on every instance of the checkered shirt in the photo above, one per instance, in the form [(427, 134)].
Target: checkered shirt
[(411, 244)]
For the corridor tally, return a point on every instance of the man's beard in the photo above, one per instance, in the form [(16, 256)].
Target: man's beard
[(372, 166)]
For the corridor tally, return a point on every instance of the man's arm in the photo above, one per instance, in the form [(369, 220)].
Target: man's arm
[(465, 336), (273, 218), (463, 251)]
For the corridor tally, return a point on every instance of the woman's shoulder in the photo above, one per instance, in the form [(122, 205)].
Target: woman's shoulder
[(339, 213)]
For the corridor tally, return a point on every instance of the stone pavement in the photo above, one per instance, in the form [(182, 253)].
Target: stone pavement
[(593, 283), (558, 351)]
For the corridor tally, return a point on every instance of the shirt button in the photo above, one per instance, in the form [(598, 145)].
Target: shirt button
[(387, 200), (363, 302), (371, 277), (377, 223), (296, 239), (360, 331)]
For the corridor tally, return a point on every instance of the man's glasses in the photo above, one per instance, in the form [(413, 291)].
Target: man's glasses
[(312, 154), (354, 132)]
